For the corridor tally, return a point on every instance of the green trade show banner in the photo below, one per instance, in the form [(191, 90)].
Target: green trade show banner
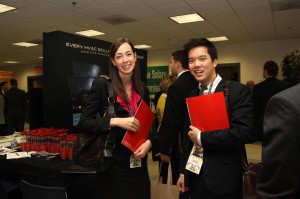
[(154, 75)]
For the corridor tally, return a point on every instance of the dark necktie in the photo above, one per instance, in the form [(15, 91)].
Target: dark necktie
[(203, 88)]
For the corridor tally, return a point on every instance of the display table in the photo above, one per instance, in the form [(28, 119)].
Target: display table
[(80, 182)]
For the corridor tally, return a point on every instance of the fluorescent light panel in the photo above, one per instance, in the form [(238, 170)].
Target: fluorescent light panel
[(213, 39), (90, 33), (5, 8), (142, 46), (11, 62), (25, 44), (189, 18)]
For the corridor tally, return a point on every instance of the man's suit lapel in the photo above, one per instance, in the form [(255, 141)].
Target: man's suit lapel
[(220, 86)]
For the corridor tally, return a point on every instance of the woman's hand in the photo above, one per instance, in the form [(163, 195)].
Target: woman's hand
[(127, 123), (142, 150)]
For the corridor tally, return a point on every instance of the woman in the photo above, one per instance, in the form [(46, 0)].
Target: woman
[(164, 85), (119, 180)]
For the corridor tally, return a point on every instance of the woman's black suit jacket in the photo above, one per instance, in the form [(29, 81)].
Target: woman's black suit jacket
[(222, 168), (95, 106)]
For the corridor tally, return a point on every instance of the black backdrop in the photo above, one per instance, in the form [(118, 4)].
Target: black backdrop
[(71, 63)]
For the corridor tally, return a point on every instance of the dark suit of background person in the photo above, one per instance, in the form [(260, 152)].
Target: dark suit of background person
[(221, 174), (15, 107), (175, 107), (280, 175), (164, 85), (262, 93)]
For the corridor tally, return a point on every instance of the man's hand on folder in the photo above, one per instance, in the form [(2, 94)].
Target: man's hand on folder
[(193, 134)]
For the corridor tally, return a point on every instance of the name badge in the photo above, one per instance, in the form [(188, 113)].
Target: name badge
[(195, 160), (135, 162)]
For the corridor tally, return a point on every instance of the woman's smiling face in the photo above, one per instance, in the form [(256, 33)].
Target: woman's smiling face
[(124, 59)]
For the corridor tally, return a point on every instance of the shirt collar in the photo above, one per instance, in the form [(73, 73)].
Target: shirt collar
[(181, 73), (213, 85)]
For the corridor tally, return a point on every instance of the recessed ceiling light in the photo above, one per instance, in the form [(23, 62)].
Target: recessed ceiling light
[(25, 44), (5, 8), (142, 46), (187, 18), (11, 62), (90, 33), (40, 57), (223, 38)]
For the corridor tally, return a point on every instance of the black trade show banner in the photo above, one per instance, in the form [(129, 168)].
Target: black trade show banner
[(71, 63)]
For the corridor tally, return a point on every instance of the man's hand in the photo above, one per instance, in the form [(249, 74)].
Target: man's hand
[(180, 184), (193, 134), (164, 158)]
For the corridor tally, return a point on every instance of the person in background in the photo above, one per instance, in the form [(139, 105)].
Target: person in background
[(280, 175), (120, 179), (165, 83), (220, 167), (156, 97), (2, 118), (3, 88), (262, 93), (15, 108), (251, 85), (170, 131)]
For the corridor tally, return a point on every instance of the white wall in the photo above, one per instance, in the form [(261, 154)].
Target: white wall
[(21, 74), (251, 56)]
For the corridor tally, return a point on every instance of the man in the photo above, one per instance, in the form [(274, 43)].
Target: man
[(175, 108), (280, 175), (262, 93), (3, 88), (15, 107), (220, 173)]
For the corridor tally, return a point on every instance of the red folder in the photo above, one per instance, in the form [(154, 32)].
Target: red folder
[(133, 140), (208, 112)]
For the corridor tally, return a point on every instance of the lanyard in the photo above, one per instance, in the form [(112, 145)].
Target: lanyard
[(131, 105), (210, 88), (211, 85)]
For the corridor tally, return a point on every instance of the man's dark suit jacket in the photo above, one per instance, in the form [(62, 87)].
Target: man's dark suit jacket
[(175, 109), (262, 93), (15, 102), (222, 168), (280, 175)]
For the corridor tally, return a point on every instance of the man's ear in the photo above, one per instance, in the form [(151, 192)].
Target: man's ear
[(215, 63)]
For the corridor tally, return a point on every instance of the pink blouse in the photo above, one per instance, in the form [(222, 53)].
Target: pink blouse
[(134, 99)]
